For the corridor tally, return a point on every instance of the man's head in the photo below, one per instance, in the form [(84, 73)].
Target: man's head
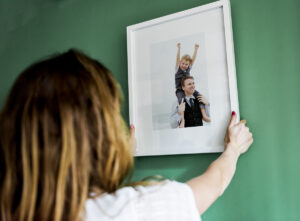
[(185, 62), (188, 85)]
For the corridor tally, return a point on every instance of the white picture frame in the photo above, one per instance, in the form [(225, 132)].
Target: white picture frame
[(152, 51)]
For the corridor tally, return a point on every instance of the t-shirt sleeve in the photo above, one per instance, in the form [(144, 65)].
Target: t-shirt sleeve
[(169, 200)]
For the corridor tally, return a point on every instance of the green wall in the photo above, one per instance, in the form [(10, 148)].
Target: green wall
[(267, 47)]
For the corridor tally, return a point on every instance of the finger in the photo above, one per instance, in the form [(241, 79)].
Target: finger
[(182, 100), (132, 131), (251, 135), (233, 119), (132, 138), (243, 121)]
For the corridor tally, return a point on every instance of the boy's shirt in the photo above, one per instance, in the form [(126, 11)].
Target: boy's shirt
[(180, 74)]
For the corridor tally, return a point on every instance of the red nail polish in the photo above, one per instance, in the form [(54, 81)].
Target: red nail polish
[(233, 113)]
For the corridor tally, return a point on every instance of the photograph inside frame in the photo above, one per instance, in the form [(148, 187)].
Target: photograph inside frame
[(179, 84), (182, 81)]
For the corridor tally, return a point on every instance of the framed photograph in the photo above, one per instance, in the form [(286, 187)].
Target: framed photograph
[(182, 81)]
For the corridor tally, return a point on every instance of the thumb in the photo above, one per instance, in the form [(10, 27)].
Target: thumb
[(232, 120)]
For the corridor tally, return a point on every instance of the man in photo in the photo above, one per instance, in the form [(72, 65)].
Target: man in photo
[(189, 113)]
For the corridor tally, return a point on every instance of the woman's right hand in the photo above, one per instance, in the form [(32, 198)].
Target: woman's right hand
[(238, 137), (213, 182)]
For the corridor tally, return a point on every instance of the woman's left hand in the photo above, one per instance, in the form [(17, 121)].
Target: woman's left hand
[(132, 138)]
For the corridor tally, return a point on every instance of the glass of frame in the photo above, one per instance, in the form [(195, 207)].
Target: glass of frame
[(157, 52)]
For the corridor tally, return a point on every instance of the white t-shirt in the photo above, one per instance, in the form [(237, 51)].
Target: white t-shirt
[(169, 200)]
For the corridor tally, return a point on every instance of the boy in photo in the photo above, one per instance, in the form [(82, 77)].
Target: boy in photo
[(183, 68)]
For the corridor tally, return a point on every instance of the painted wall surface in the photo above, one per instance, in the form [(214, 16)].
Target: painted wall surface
[(267, 48)]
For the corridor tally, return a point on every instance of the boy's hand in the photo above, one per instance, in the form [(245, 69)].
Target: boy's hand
[(196, 46), (178, 45)]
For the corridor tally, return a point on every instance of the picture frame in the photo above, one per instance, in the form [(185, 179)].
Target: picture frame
[(152, 55)]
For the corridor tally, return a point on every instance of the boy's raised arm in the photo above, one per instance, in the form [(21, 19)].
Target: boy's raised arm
[(195, 54), (178, 56)]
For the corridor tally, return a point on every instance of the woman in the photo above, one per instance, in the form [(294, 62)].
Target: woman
[(65, 153)]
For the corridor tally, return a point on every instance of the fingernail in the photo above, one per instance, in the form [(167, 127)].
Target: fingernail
[(233, 113), (131, 126)]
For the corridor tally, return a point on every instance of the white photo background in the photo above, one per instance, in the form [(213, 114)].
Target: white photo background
[(152, 68), (162, 65)]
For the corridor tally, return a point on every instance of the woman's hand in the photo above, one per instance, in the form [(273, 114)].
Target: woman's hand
[(132, 138), (238, 137)]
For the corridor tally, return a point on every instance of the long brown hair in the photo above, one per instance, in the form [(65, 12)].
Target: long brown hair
[(61, 138)]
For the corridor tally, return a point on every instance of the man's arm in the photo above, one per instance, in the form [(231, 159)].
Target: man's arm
[(209, 186), (177, 115), (181, 109), (177, 56), (204, 116), (202, 99), (195, 54)]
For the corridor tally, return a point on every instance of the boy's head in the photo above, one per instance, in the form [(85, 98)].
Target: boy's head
[(185, 62)]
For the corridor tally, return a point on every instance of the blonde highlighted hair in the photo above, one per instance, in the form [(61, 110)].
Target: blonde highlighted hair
[(187, 58), (61, 138)]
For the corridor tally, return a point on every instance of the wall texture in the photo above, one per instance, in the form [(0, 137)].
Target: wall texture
[(267, 48)]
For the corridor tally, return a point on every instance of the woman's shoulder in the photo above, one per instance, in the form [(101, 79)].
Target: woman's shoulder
[(154, 202)]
